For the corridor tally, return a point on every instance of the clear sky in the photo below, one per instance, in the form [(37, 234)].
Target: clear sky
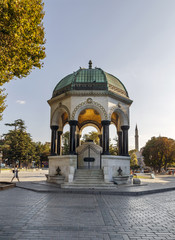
[(133, 40)]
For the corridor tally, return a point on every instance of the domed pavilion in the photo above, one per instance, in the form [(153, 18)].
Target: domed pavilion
[(89, 97)]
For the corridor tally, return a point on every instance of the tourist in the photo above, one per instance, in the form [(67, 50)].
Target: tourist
[(15, 171)]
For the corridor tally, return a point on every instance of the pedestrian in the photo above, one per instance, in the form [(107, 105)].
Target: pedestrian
[(15, 171)]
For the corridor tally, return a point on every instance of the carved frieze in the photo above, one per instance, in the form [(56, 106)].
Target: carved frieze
[(89, 102)]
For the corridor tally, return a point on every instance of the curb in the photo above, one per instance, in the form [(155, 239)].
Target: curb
[(100, 192), (6, 185)]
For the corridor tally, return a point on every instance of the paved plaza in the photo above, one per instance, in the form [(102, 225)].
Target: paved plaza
[(27, 214), (30, 215)]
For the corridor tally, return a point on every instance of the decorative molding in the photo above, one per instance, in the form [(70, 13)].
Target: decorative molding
[(57, 109), (65, 108), (120, 110), (116, 89), (92, 103)]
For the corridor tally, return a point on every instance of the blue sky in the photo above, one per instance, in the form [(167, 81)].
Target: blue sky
[(133, 40)]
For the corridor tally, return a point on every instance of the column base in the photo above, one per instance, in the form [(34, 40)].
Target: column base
[(72, 153), (106, 153), (53, 154)]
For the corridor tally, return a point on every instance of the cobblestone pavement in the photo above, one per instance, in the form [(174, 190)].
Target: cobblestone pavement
[(30, 215)]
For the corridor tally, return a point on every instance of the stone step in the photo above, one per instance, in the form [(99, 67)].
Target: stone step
[(89, 173), (89, 181), (89, 169), (89, 186), (81, 175), (87, 177)]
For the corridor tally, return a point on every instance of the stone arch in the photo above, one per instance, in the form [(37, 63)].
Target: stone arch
[(89, 103), (90, 125), (56, 116), (123, 117)]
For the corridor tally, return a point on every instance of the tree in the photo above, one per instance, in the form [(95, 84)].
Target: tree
[(169, 152), (113, 148), (2, 102), (18, 145), (66, 137), (159, 152), (133, 161), (42, 152), (21, 40), (91, 136)]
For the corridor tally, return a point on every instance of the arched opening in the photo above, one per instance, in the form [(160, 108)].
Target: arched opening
[(113, 139), (89, 116), (65, 139), (90, 133), (89, 151)]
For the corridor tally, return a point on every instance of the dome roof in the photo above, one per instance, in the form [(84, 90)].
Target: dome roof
[(90, 79)]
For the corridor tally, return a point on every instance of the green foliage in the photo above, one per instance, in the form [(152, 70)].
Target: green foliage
[(20, 147), (66, 137), (17, 145), (159, 153), (2, 102), (91, 136), (22, 39), (113, 149), (42, 152), (133, 161)]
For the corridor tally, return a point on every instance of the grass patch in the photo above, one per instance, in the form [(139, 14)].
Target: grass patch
[(142, 177)]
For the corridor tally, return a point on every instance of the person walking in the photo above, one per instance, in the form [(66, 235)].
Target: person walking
[(15, 171)]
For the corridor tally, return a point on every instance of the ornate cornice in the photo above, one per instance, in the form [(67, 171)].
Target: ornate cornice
[(96, 93)]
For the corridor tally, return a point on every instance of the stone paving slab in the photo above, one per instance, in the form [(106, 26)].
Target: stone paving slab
[(27, 215)]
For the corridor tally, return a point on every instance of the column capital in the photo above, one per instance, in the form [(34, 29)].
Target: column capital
[(54, 127), (73, 122), (105, 122), (125, 127)]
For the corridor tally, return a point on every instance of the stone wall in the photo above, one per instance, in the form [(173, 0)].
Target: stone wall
[(89, 149), (67, 164), (111, 164)]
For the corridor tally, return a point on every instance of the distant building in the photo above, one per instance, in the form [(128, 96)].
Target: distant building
[(140, 158), (136, 139)]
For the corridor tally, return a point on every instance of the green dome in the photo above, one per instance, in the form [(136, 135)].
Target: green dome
[(90, 79)]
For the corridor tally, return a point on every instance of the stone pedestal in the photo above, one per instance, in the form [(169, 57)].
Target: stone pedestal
[(67, 164), (110, 165)]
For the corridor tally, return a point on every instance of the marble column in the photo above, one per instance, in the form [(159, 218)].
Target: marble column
[(73, 124), (78, 140), (119, 143), (105, 138), (59, 133), (100, 139), (125, 140), (53, 139)]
